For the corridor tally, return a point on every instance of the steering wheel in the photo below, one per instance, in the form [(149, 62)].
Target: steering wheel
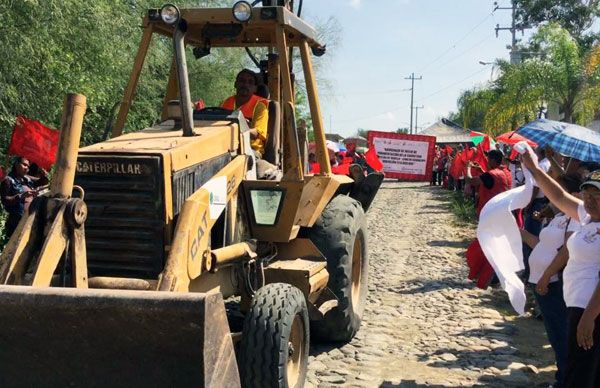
[(214, 110)]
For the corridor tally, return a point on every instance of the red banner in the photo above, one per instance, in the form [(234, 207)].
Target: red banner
[(34, 141), (408, 157)]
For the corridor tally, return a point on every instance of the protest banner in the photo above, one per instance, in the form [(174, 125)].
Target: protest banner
[(407, 157)]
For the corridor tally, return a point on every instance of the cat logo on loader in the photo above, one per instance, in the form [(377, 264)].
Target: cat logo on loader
[(129, 277)]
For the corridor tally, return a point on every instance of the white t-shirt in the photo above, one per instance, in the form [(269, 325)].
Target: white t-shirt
[(552, 237), (544, 165), (581, 275)]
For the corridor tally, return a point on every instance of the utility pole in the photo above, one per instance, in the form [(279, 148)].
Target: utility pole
[(417, 117), (412, 95), (515, 55)]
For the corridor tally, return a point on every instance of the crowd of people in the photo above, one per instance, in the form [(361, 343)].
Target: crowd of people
[(560, 230)]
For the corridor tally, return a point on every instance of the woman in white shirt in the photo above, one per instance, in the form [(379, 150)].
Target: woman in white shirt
[(581, 276), (548, 258)]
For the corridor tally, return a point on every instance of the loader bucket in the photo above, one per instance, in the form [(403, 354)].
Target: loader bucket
[(67, 337)]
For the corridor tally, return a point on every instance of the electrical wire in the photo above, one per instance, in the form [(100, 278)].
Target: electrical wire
[(417, 102), (456, 43), (391, 91), (451, 85)]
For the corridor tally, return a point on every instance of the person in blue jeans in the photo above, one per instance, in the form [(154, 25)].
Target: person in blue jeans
[(548, 258)]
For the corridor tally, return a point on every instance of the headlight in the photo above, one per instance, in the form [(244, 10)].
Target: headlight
[(242, 11), (170, 14)]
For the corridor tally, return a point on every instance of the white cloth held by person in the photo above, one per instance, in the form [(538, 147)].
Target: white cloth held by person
[(500, 239)]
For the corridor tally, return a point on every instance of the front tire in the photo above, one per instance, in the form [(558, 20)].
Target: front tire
[(340, 234), (275, 339)]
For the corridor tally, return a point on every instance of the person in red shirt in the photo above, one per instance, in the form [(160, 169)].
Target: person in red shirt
[(492, 182)]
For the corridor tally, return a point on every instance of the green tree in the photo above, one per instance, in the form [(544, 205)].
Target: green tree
[(564, 75), (473, 105), (362, 132), (576, 16)]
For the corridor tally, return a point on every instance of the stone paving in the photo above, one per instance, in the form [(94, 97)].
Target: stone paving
[(425, 324)]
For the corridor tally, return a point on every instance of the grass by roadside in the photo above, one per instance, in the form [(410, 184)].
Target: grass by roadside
[(463, 209)]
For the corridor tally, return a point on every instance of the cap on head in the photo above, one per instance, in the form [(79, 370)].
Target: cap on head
[(592, 180)]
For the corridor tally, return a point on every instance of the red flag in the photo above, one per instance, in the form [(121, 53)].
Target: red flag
[(485, 144), (480, 157), (34, 141), (341, 169), (373, 160)]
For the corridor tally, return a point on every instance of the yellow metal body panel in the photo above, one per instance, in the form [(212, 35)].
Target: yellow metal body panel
[(256, 32), (316, 194), (309, 276), (190, 248), (285, 229), (213, 138)]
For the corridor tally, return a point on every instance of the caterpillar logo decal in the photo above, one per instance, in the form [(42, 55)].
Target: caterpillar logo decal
[(115, 168), (198, 236)]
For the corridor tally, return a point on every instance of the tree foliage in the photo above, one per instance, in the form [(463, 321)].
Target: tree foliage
[(562, 74), (576, 16), (53, 47)]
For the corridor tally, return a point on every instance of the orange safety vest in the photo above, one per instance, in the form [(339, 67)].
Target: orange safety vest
[(248, 108)]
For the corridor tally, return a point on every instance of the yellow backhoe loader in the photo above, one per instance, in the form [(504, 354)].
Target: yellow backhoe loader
[(158, 259)]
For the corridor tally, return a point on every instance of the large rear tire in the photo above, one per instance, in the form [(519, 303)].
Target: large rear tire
[(340, 234), (275, 339)]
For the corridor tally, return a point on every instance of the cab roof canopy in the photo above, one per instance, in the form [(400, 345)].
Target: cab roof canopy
[(217, 27)]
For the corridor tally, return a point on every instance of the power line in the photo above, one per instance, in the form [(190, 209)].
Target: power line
[(391, 91), (396, 108), (479, 43), (454, 84), (457, 42)]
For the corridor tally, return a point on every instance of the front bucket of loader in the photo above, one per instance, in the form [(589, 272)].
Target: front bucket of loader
[(66, 337)]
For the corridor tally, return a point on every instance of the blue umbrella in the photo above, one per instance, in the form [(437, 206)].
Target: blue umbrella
[(541, 131), (568, 139), (578, 142)]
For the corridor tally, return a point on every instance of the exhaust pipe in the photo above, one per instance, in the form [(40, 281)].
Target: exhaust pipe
[(187, 115), (70, 134)]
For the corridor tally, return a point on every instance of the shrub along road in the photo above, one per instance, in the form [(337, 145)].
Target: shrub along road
[(425, 324)]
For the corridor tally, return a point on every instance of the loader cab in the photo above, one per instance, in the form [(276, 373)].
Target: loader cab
[(272, 33), (277, 34)]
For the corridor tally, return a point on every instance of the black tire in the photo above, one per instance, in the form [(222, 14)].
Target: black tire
[(265, 346), (340, 230)]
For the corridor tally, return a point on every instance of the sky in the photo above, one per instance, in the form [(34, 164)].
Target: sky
[(382, 42)]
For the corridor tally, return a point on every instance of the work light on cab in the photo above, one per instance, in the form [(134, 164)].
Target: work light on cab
[(242, 11), (170, 14)]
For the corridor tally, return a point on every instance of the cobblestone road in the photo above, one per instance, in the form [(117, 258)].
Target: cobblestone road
[(424, 323)]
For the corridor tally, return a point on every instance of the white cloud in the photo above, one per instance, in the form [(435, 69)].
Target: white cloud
[(390, 116), (355, 4)]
